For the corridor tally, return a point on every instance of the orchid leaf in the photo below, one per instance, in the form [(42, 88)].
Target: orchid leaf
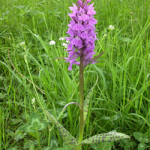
[(51, 118), (87, 101), (105, 137), (96, 57), (68, 139), (93, 60)]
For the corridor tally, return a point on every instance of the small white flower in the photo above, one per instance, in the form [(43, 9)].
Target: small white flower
[(65, 45), (22, 43), (62, 38), (67, 41), (104, 35), (111, 27), (25, 58), (33, 101), (52, 42)]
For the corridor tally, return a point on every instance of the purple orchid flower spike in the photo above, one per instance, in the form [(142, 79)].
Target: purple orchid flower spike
[(82, 34)]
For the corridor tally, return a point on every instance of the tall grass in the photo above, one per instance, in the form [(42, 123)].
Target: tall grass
[(121, 97)]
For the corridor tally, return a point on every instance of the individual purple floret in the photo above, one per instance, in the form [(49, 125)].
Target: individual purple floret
[(82, 33)]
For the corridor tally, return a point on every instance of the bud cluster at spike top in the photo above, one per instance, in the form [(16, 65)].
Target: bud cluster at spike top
[(82, 33)]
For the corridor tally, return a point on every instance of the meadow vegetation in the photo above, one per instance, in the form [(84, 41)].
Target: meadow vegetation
[(121, 98)]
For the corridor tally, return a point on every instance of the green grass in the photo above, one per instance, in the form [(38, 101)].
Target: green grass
[(121, 98)]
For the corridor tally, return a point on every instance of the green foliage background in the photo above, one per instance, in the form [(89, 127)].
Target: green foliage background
[(121, 98)]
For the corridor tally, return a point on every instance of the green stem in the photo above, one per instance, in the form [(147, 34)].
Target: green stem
[(37, 134), (81, 86)]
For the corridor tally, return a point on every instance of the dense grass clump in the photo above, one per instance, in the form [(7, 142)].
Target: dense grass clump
[(121, 98)]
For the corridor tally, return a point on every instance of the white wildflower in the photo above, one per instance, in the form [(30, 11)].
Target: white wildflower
[(22, 43), (33, 101), (104, 35), (52, 42), (25, 58), (111, 27), (67, 41), (62, 38), (65, 45)]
